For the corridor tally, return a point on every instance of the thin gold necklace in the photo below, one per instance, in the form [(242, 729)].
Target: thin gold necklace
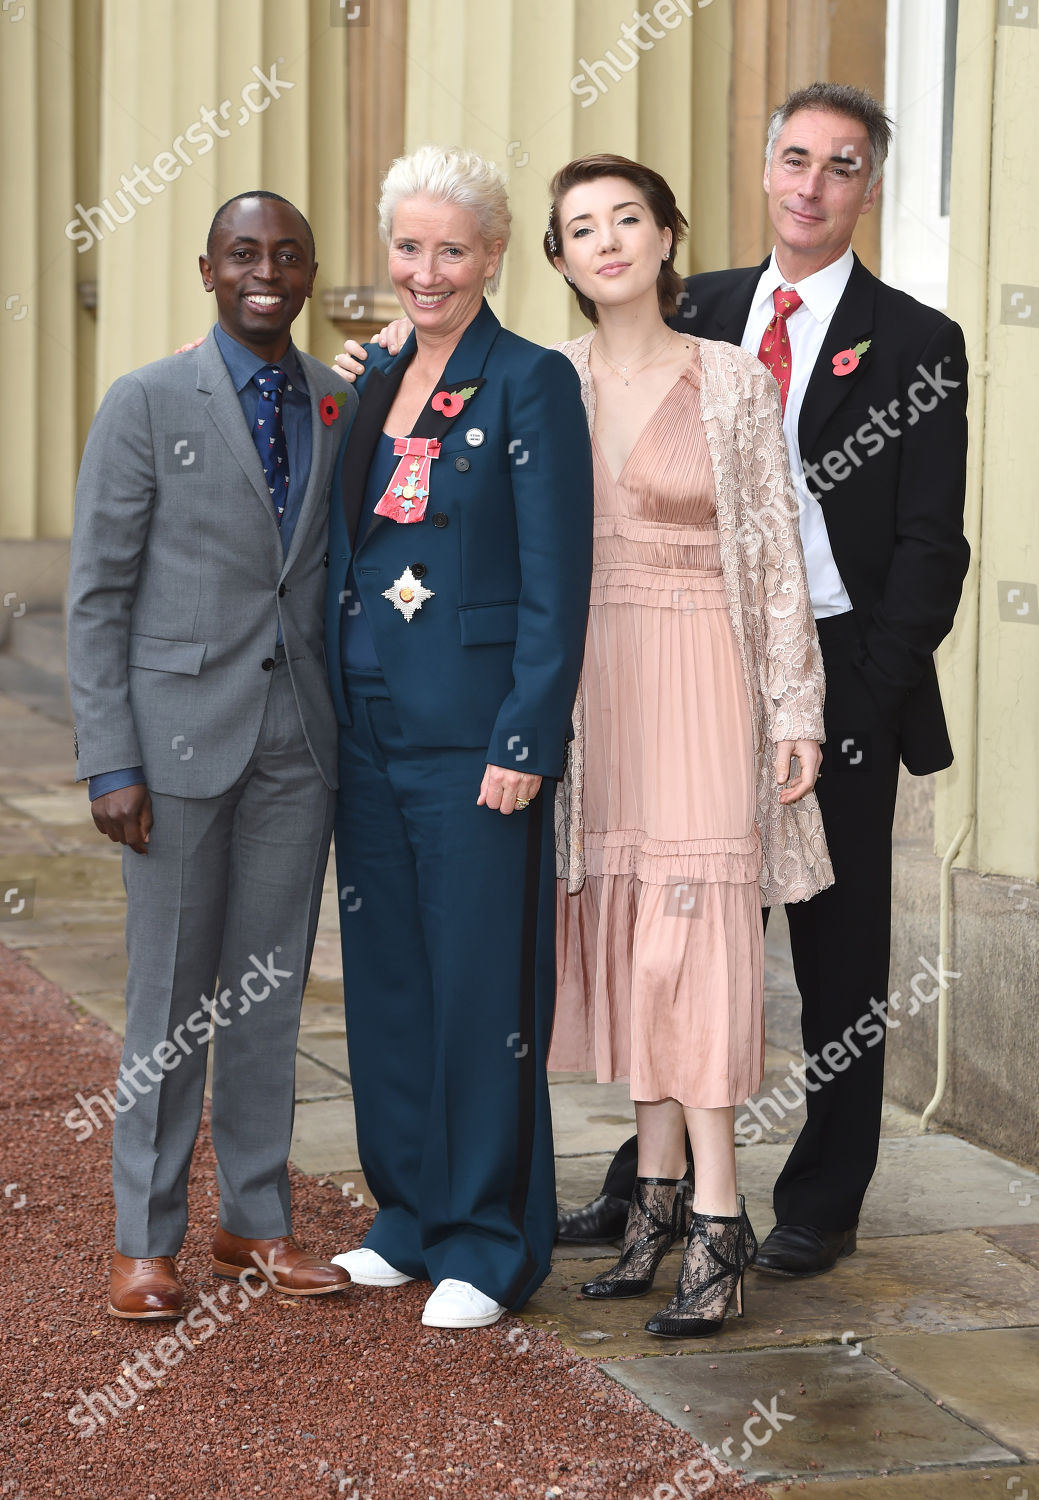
[(622, 370)]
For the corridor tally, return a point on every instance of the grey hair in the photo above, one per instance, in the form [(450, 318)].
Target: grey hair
[(451, 176), (839, 99)]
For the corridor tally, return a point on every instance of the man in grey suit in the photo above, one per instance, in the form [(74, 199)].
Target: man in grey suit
[(205, 728)]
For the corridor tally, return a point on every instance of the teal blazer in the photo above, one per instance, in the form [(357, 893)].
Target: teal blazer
[(505, 546)]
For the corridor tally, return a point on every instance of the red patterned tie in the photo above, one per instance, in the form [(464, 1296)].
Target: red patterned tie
[(774, 353)]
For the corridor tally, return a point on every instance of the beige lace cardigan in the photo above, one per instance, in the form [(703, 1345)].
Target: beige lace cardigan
[(767, 592)]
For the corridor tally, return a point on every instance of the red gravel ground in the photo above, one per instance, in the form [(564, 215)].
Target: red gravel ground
[(341, 1395)]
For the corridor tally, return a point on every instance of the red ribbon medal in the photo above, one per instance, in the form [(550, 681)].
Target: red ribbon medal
[(408, 490)]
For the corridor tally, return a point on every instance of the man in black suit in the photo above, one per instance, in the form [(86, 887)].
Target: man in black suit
[(875, 392)]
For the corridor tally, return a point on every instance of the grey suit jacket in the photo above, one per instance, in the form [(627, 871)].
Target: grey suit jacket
[(177, 581)]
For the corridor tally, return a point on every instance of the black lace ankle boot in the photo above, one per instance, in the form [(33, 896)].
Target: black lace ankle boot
[(654, 1224), (718, 1251)]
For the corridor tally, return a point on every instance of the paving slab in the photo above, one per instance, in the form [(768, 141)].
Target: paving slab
[(323, 1000), (931, 1182), (27, 936), (578, 1178), (990, 1378), (328, 1050), (19, 839), (926, 1283), (65, 878), (1020, 1239), (314, 1081), (591, 1117), (923, 1183), (83, 968), (327, 963), (108, 1006), (355, 1190), (324, 1139), (1013, 1481), (829, 1413), (60, 808)]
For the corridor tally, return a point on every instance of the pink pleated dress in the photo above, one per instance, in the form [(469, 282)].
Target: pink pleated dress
[(660, 956)]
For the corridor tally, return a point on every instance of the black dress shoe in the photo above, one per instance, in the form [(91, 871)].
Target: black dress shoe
[(597, 1223), (800, 1250)]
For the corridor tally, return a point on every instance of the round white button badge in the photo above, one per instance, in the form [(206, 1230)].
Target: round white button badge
[(474, 437)]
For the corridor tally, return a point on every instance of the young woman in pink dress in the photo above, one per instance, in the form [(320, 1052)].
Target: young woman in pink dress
[(684, 809)]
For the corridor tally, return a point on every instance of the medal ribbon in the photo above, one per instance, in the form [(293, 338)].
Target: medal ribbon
[(408, 490)]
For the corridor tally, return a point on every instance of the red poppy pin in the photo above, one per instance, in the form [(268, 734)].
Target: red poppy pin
[(848, 359), (329, 407), (451, 402)]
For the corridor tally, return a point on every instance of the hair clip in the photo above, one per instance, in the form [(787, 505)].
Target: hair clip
[(551, 237)]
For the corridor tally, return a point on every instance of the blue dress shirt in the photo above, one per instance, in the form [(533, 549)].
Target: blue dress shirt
[(242, 364)]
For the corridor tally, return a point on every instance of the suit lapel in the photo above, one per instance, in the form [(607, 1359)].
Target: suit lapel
[(225, 411), (728, 318), (317, 384), (380, 387), (852, 322), (462, 372)]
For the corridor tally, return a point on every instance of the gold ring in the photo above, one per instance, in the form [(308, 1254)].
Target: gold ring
[(522, 802)]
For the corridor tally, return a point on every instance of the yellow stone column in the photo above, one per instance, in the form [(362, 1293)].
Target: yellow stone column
[(38, 318), (532, 85), (230, 106), (990, 666)]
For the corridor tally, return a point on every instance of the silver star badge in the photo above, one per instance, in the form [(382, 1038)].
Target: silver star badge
[(407, 595)]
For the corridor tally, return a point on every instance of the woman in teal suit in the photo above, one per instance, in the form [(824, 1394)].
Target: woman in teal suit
[(459, 570)]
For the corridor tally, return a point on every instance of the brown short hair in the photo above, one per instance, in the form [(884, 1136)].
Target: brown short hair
[(660, 200)]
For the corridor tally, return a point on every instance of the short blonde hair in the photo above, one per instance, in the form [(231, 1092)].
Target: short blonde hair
[(455, 176)]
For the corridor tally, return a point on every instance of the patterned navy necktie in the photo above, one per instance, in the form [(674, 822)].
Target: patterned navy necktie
[(269, 435)]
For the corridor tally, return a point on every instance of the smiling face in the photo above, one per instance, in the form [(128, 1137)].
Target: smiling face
[(261, 270), (816, 186), (438, 264), (611, 245)]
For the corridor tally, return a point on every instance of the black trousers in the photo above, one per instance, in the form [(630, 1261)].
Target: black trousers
[(840, 943)]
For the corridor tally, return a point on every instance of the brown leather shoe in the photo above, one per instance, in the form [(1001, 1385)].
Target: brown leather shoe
[(145, 1288), (286, 1266)]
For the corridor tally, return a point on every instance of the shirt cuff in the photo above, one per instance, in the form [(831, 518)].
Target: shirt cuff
[(114, 781)]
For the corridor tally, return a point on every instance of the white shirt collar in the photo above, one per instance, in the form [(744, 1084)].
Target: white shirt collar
[(820, 292)]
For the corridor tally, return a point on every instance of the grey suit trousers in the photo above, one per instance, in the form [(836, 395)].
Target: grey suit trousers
[(221, 918)]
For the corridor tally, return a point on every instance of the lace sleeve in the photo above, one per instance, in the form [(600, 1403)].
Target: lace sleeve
[(792, 672)]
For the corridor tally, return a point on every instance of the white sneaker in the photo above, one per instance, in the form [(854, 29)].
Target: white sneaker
[(368, 1268), (459, 1304)]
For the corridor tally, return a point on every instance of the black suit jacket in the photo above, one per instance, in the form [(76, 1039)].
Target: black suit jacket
[(884, 450)]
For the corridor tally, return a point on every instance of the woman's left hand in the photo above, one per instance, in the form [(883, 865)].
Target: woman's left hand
[(810, 756), (501, 789)]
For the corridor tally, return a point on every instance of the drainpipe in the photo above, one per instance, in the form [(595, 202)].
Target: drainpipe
[(975, 499)]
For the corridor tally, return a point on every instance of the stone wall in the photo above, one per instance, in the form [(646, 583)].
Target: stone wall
[(991, 1093)]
